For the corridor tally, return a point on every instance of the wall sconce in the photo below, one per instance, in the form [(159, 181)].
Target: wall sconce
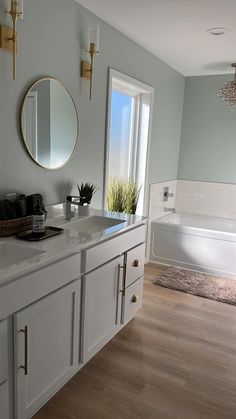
[(8, 36), (87, 69)]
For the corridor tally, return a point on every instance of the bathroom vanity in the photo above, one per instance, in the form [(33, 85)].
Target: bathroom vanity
[(61, 301)]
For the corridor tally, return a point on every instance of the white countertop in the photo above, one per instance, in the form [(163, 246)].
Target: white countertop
[(69, 243)]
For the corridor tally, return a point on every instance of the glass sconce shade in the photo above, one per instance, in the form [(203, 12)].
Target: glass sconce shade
[(93, 38), (15, 5)]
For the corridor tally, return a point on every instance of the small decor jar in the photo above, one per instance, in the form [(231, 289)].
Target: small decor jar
[(83, 209)]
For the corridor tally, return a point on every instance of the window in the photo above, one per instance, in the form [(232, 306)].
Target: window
[(121, 135), (128, 129)]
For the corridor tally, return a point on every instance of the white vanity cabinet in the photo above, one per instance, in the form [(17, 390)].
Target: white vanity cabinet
[(46, 348), (4, 371), (62, 313), (102, 306)]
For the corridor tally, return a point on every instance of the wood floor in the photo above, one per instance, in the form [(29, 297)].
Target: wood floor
[(175, 360)]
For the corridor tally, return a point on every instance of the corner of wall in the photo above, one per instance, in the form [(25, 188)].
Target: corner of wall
[(181, 131)]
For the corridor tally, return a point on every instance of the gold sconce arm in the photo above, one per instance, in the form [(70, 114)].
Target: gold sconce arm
[(14, 42), (87, 68), (8, 36), (15, 14)]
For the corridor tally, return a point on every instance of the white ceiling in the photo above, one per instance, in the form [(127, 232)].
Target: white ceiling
[(175, 30)]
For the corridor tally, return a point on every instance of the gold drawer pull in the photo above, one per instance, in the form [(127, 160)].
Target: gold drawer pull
[(136, 263), (134, 299), (25, 366)]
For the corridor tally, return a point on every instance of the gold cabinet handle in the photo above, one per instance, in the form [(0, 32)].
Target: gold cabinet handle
[(134, 299), (136, 263), (25, 366)]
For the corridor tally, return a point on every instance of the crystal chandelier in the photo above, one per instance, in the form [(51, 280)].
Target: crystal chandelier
[(228, 92)]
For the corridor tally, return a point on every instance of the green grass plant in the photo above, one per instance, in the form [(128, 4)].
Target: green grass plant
[(123, 196)]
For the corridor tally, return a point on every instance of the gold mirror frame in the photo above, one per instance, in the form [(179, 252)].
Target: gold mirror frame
[(21, 122)]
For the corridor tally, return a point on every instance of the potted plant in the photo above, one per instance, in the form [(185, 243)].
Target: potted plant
[(86, 192), (123, 196)]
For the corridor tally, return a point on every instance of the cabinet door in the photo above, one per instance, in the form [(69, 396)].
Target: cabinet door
[(4, 401), (3, 352), (102, 306), (46, 348), (4, 379)]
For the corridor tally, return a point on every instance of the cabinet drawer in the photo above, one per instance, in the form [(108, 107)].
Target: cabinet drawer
[(3, 352), (132, 301), (135, 260), (98, 255), (32, 287)]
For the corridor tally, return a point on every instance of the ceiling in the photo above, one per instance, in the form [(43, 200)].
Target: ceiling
[(176, 30)]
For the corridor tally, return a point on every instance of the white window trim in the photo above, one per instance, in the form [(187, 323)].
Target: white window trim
[(140, 87)]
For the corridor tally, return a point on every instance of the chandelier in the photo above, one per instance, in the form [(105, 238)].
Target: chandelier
[(228, 92)]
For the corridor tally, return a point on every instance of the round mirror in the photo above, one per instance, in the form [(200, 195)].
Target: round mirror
[(49, 123)]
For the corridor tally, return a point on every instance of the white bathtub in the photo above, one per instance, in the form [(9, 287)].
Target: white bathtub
[(195, 242)]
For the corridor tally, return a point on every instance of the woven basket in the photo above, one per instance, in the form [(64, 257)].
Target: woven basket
[(12, 227)]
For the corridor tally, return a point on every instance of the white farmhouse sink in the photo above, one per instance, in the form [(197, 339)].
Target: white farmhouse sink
[(11, 254), (94, 224)]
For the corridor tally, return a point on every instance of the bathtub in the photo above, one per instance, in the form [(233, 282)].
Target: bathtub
[(206, 244)]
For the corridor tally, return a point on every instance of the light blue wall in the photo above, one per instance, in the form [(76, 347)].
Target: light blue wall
[(208, 143), (51, 40)]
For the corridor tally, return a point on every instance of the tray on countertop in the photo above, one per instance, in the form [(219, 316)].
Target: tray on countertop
[(49, 232)]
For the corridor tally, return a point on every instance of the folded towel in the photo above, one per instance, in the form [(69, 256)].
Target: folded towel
[(23, 206), (7, 210), (20, 208)]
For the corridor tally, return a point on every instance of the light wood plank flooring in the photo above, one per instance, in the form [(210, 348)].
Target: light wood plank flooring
[(175, 360)]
